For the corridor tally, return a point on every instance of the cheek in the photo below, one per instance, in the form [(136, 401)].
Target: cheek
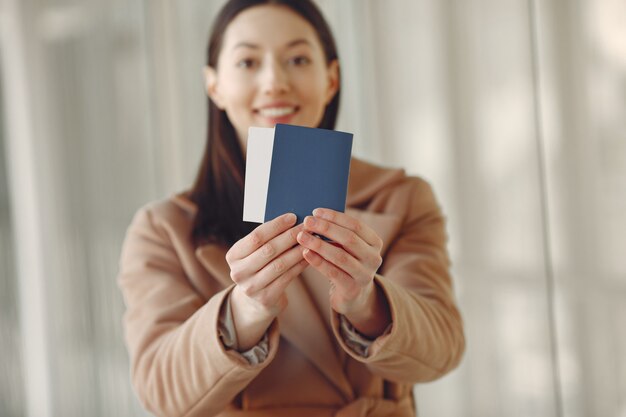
[(237, 91), (314, 90)]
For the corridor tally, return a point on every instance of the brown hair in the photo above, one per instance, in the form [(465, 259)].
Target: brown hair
[(218, 188)]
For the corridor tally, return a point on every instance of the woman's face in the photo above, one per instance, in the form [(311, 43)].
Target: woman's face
[(271, 69)]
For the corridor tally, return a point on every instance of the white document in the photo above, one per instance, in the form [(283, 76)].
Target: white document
[(258, 165)]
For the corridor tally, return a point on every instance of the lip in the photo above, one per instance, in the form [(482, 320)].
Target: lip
[(273, 119), (275, 104)]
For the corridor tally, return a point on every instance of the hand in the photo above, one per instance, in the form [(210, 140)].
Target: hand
[(350, 263), (262, 264)]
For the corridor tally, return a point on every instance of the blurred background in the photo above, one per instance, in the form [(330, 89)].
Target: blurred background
[(515, 111)]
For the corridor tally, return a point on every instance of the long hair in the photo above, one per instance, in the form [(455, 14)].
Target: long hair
[(218, 188)]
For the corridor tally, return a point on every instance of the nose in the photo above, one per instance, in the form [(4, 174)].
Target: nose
[(275, 79)]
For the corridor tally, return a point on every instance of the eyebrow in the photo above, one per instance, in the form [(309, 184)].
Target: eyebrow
[(291, 44), (246, 45), (298, 42)]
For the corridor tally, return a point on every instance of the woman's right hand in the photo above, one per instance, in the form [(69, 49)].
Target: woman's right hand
[(262, 264)]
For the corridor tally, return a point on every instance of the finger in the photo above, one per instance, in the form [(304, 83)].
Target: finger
[(269, 251), (341, 281), (342, 219), (338, 257), (276, 288), (348, 239), (259, 236), (275, 269)]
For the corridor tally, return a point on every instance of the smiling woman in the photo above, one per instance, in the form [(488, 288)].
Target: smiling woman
[(227, 319), (264, 76), (516, 115)]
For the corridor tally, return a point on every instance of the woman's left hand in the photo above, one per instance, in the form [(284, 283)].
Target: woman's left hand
[(350, 262)]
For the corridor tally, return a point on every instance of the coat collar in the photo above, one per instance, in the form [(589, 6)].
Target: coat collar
[(367, 180)]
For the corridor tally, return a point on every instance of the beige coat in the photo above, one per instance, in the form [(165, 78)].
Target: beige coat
[(173, 293)]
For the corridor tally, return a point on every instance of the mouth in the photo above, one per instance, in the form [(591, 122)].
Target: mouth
[(277, 112)]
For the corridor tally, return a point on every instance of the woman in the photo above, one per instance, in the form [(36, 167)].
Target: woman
[(231, 320)]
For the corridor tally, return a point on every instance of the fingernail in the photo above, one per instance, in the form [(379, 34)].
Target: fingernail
[(318, 212), (290, 218), (304, 237), (309, 221)]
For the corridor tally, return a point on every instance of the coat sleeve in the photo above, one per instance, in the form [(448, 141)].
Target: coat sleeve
[(179, 364), (426, 339)]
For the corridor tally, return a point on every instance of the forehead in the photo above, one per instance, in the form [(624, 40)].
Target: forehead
[(269, 26)]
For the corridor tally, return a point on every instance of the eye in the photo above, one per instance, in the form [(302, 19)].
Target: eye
[(247, 63), (299, 61)]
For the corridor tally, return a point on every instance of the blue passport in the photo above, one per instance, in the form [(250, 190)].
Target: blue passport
[(309, 168)]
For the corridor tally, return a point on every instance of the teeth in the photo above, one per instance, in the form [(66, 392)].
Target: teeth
[(276, 111)]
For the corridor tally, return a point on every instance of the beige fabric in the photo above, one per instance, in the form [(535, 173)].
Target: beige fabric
[(226, 329), (258, 353), (355, 340), (174, 292)]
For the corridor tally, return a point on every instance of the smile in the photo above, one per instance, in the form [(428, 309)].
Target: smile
[(277, 111)]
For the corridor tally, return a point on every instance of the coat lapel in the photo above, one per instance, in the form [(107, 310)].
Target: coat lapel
[(213, 258), (302, 324)]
